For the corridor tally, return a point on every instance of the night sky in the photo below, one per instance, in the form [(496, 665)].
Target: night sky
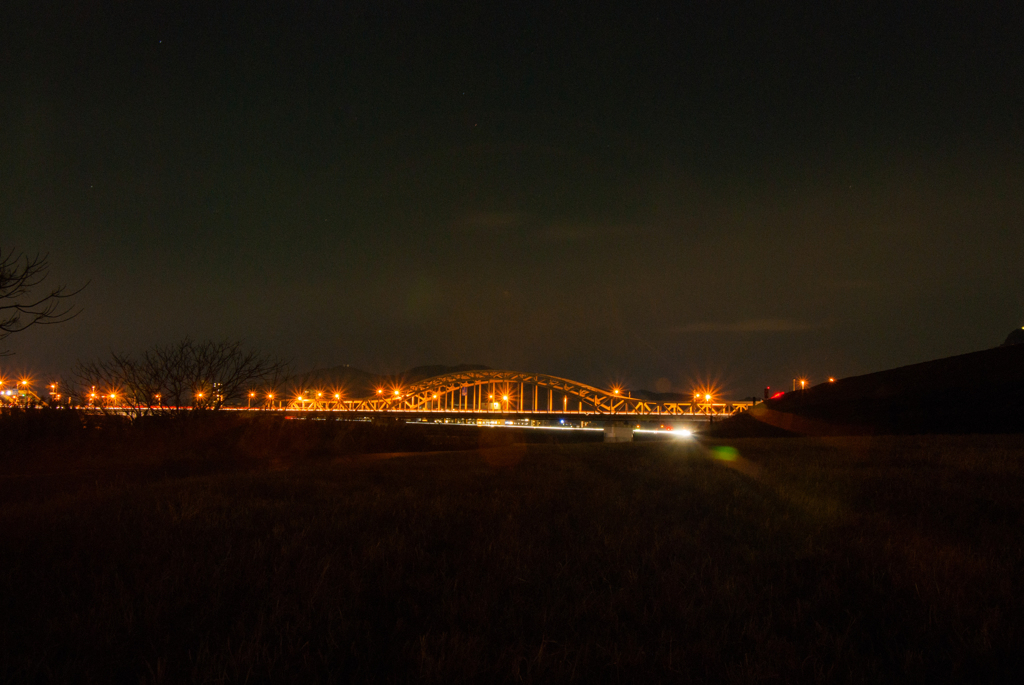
[(652, 194)]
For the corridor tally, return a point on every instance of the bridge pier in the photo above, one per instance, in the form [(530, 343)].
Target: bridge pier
[(618, 431)]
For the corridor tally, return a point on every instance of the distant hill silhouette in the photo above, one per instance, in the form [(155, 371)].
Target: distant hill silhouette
[(419, 373), (352, 381), (652, 396), (358, 383), (980, 392)]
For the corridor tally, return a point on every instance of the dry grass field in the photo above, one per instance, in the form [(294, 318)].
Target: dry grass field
[(888, 559)]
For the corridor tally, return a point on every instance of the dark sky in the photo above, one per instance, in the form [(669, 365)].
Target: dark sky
[(741, 192)]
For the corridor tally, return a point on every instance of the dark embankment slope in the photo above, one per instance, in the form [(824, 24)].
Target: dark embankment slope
[(980, 392)]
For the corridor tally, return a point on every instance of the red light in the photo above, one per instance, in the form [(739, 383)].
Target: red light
[(777, 395)]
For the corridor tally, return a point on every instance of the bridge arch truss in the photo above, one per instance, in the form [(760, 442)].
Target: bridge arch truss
[(513, 392)]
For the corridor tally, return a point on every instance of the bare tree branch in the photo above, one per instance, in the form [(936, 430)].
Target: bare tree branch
[(183, 377), (20, 305)]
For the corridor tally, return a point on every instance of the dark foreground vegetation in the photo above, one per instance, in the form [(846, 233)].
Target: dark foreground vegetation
[(894, 559)]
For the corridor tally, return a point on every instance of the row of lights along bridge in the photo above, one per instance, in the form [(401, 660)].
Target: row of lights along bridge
[(21, 393)]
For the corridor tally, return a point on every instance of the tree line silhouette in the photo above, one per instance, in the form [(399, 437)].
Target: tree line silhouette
[(181, 377)]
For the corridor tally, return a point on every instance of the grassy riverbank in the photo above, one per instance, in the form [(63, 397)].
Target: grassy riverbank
[(818, 560)]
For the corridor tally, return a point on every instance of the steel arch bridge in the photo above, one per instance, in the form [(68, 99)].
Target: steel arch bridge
[(512, 392)]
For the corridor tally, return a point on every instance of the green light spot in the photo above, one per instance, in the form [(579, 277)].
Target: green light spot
[(725, 453)]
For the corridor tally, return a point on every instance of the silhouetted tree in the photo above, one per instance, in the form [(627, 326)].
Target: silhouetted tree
[(21, 303), (185, 376)]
